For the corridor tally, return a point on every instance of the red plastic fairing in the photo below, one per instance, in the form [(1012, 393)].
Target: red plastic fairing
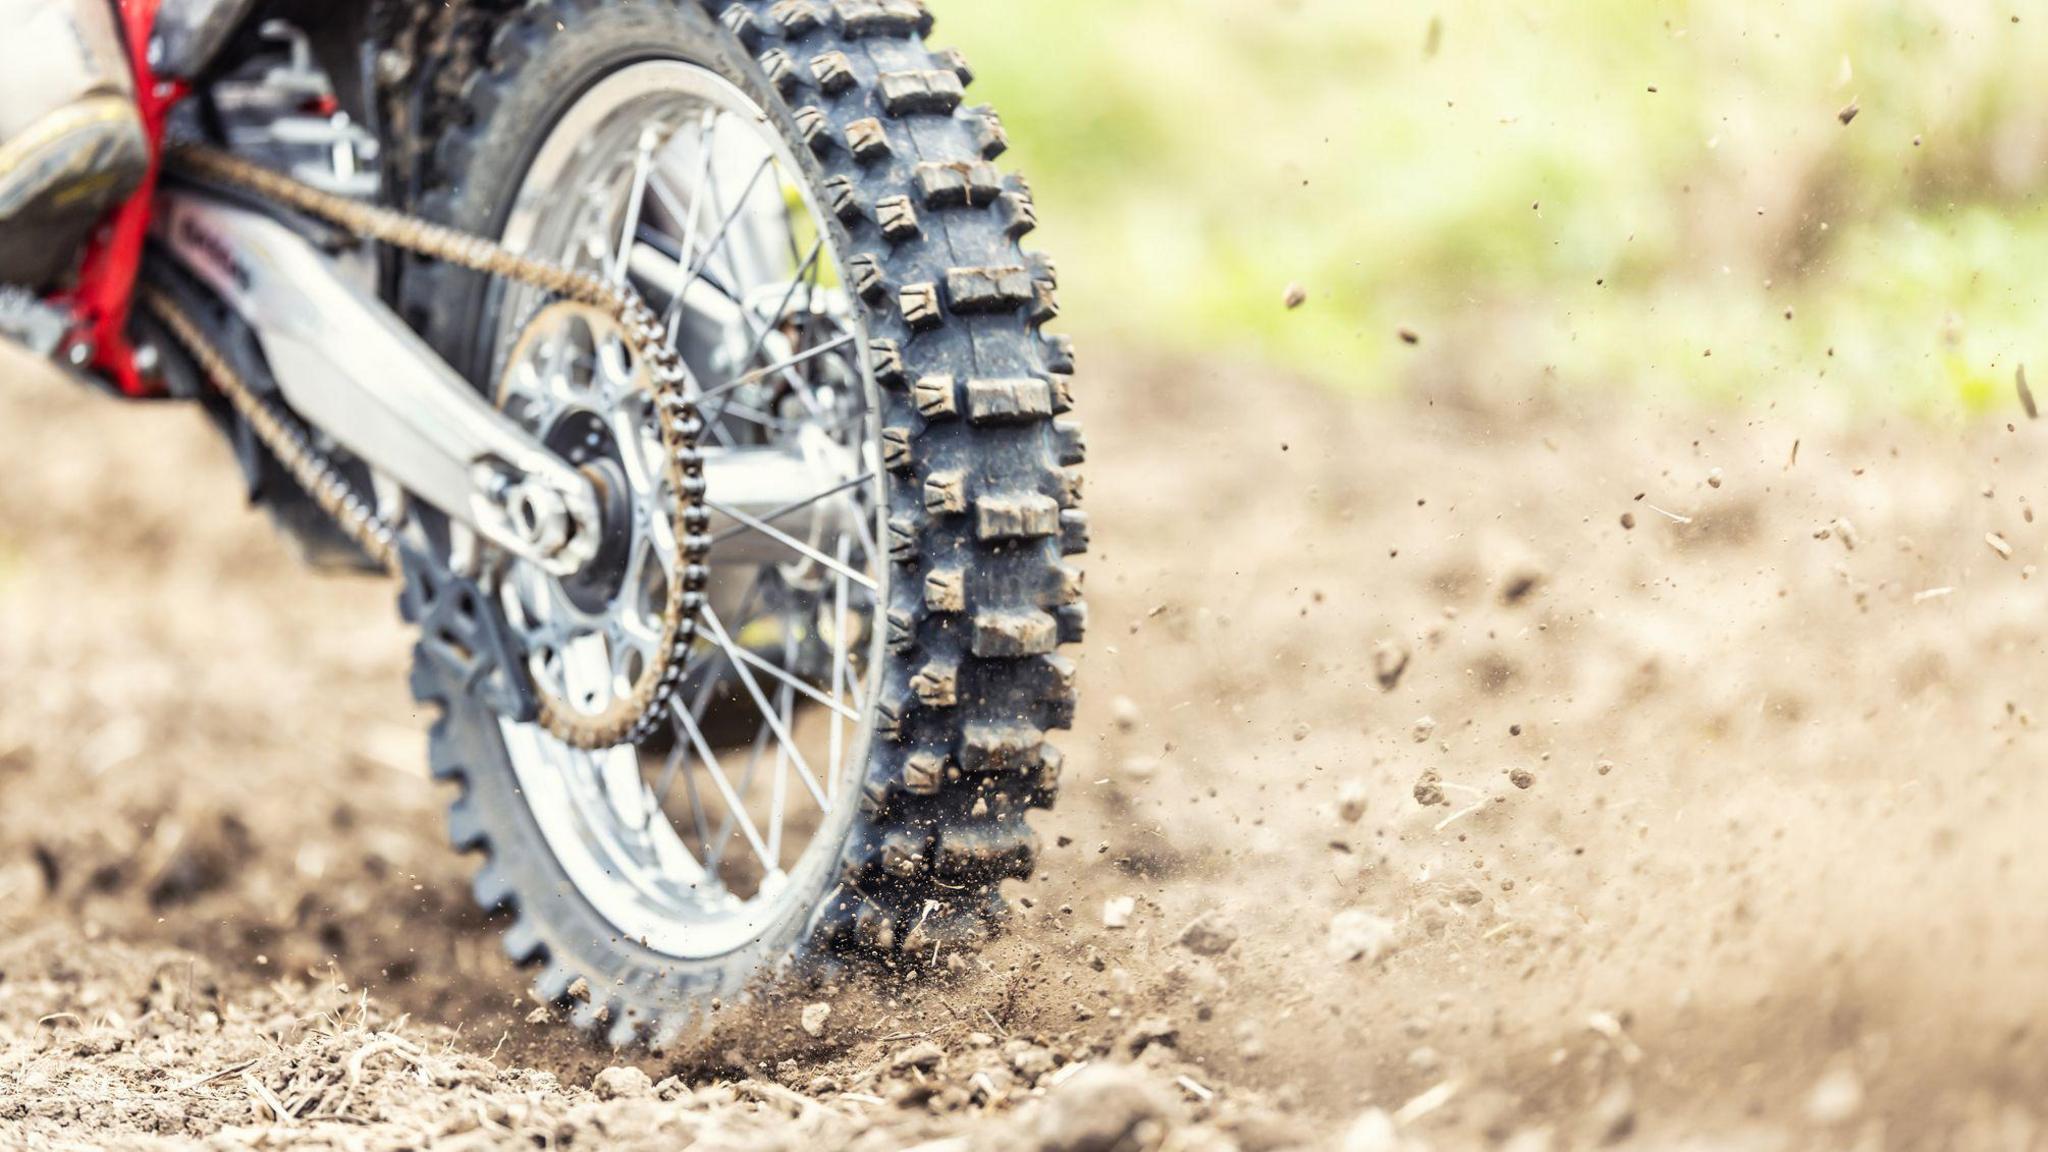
[(106, 279)]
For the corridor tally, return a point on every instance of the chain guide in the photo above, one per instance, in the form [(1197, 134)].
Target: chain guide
[(631, 717)]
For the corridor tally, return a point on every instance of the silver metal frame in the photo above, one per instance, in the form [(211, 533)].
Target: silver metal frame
[(353, 370)]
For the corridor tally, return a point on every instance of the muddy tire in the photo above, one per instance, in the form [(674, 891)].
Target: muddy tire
[(981, 490)]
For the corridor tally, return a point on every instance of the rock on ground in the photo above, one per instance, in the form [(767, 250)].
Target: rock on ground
[(1104, 1108)]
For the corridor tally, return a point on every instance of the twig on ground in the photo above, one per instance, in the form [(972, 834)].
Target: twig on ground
[(210, 1077), (375, 1048), (766, 1090), (996, 1024), (1429, 1101), (863, 1098), (1446, 821), (267, 1098), (1062, 1075)]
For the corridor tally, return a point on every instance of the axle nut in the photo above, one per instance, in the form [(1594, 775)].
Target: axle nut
[(539, 515)]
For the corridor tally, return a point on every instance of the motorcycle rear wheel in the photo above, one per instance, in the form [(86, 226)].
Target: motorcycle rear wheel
[(925, 313)]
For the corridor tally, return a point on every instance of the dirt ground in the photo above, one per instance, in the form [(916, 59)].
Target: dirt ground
[(1538, 773)]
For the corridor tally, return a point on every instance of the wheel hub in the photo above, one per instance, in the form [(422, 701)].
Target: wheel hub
[(583, 439)]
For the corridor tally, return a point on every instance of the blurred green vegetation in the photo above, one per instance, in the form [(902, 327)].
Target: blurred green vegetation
[(1549, 193)]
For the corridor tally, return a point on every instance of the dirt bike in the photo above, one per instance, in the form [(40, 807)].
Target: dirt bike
[(682, 361)]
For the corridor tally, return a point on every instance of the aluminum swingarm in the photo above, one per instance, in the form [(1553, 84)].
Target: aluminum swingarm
[(348, 367)]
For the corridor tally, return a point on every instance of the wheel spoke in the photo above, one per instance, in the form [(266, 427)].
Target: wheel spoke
[(790, 682), (705, 135), (722, 241), (810, 304), (761, 702), (756, 375), (758, 339), (786, 509), (664, 274), (778, 792), (761, 337), (636, 192), (716, 243), (679, 762), (839, 711), (728, 824), (674, 764), (792, 543), (724, 788), (753, 415), (707, 128), (866, 532)]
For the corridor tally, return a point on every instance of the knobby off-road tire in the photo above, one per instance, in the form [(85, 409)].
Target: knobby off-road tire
[(982, 493)]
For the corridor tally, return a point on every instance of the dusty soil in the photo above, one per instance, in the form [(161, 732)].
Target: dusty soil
[(1542, 772)]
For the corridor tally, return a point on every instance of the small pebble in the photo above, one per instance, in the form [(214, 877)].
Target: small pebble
[(1614, 1114), (1836, 1098), (923, 1055), (1147, 1032), (1357, 935), (617, 1083), (1372, 1131), (1522, 580), (1105, 1106), (1351, 801), (1845, 532), (814, 1017), (1209, 934), (1124, 711), (1429, 789), (1389, 661)]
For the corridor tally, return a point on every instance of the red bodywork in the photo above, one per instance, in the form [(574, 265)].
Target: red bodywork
[(106, 280)]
